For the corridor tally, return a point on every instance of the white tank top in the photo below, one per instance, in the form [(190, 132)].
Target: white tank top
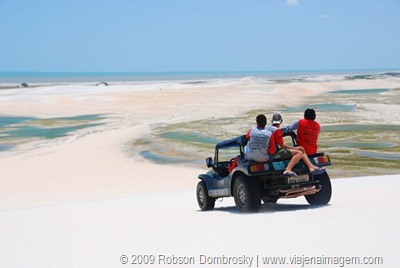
[(257, 147)]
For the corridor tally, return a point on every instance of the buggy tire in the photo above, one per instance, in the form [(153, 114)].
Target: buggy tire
[(203, 199), (324, 195), (247, 194)]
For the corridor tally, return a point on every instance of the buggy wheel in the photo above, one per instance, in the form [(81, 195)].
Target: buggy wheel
[(203, 199), (324, 195), (247, 194)]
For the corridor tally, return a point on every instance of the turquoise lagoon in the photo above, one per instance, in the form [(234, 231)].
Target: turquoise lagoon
[(18, 130)]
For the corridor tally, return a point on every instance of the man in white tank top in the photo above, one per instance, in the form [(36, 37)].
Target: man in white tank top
[(259, 138)]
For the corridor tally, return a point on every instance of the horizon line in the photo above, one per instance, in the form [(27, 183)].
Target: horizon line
[(205, 72)]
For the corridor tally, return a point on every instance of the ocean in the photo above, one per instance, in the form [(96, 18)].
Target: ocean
[(76, 77)]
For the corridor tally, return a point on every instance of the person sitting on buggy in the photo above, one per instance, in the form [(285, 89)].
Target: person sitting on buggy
[(307, 131), (259, 141), (286, 152)]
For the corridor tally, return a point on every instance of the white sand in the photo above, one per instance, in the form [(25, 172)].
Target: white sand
[(84, 200), (361, 221)]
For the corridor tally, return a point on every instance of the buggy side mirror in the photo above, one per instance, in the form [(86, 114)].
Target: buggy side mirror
[(209, 162)]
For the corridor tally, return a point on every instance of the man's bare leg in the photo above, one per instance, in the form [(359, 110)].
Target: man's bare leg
[(296, 156)]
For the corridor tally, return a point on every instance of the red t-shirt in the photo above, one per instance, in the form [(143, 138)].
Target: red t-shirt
[(307, 135)]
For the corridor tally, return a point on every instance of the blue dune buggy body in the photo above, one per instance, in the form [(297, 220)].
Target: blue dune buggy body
[(251, 182)]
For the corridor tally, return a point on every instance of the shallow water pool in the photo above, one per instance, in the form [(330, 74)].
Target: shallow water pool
[(18, 130), (360, 91)]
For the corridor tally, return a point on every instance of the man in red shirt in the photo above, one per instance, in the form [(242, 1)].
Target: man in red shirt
[(307, 131)]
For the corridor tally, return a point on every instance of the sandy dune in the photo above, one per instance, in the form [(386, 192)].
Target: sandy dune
[(86, 199)]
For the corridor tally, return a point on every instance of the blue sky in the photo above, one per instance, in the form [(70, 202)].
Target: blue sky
[(198, 35)]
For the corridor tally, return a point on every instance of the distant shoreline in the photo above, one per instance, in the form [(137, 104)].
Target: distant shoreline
[(70, 77)]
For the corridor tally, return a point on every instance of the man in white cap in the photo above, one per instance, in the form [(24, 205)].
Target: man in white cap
[(285, 152)]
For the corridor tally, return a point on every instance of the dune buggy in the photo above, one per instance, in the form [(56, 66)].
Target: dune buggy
[(251, 182)]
